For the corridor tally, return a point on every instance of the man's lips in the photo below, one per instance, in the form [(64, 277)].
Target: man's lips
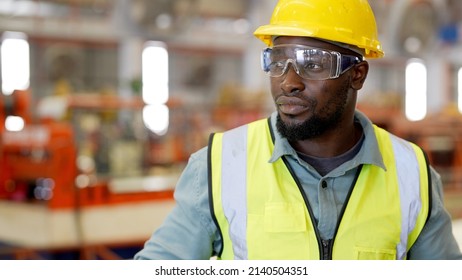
[(291, 105)]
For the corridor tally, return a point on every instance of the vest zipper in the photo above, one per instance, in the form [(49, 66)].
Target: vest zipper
[(330, 242), (326, 253)]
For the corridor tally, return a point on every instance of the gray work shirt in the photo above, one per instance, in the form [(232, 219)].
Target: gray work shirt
[(190, 233)]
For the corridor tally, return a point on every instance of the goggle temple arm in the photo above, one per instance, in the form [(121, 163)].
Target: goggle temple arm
[(347, 61)]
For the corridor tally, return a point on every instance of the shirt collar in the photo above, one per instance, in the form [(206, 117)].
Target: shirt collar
[(369, 153)]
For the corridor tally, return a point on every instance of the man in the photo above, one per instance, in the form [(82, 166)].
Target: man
[(317, 180)]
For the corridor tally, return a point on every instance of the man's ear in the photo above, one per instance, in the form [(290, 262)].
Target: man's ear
[(359, 76)]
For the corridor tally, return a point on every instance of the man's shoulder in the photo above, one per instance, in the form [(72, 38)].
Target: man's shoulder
[(199, 155)]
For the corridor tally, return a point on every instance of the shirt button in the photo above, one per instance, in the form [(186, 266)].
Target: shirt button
[(324, 184)]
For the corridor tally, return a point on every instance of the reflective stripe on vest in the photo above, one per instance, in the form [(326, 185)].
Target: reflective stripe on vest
[(229, 168), (407, 168)]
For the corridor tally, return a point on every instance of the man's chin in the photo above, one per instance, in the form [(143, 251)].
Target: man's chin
[(291, 120), (287, 127), (296, 130)]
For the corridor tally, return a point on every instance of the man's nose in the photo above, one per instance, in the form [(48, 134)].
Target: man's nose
[(291, 81)]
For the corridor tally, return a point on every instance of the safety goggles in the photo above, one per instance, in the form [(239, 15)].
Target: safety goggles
[(309, 63)]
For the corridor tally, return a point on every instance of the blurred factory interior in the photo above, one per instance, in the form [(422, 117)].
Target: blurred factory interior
[(103, 101)]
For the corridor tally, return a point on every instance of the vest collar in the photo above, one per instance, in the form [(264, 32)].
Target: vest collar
[(369, 153)]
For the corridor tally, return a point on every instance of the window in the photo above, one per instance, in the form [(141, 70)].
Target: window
[(416, 90), (155, 87)]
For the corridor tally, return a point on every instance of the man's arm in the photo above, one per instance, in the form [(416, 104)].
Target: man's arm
[(436, 241), (188, 231)]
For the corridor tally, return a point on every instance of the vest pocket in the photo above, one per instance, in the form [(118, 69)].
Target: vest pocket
[(284, 217), (363, 253), (279, 232)]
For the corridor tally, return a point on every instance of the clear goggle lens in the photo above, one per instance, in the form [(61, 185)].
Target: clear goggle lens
[(309, 63)]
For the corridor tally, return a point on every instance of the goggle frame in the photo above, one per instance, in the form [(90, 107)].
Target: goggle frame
[(340, 63)]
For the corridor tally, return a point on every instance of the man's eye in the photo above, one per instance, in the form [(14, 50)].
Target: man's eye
[(278, 64), (312, 66)]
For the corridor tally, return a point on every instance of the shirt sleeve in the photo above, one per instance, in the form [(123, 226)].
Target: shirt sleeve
[(188, 232), (436, 241)]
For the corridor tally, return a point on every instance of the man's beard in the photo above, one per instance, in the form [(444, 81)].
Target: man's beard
[(317, 124)]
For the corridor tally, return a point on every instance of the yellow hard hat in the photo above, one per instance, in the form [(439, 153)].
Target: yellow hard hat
[(349, 22)]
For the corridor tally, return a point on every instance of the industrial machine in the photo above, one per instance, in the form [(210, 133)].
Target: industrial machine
[(51, 201)]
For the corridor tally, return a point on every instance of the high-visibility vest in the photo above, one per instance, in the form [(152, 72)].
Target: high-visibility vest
[(262, 212)]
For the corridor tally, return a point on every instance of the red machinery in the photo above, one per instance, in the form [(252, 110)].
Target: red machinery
[(39, 162), (42, 205)]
